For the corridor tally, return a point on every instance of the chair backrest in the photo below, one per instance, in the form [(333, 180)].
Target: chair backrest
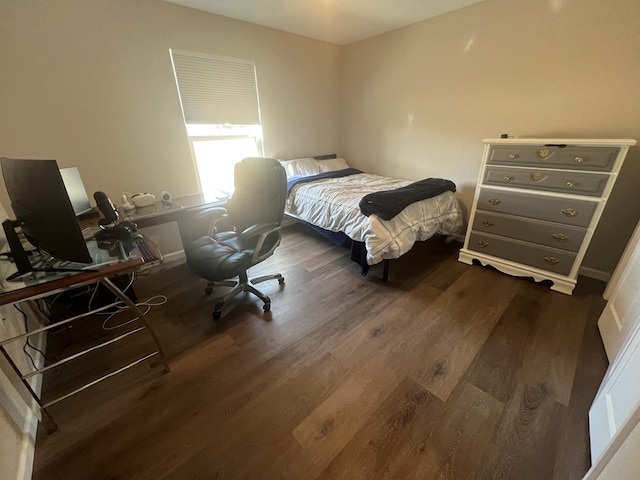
[(260, 193)]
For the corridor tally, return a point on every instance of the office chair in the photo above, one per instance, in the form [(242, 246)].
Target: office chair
[(244, 233)]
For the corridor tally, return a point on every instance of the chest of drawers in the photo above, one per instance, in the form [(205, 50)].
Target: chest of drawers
[(537, 204)]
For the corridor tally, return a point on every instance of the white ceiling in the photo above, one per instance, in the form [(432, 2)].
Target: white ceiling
[(335, 21)]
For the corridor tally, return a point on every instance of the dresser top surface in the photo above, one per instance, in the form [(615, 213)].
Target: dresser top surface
[(600, 142)]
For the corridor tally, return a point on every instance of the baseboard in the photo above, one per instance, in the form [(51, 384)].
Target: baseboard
[(170, 260), (288, 220), (595, 274), (174, 257), (458, 238)]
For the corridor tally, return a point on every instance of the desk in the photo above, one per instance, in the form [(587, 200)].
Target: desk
[(179, 209), (163, 212), (38, 286)]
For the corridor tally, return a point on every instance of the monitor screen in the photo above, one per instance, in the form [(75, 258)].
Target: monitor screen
[(41, 204), (75, 190)]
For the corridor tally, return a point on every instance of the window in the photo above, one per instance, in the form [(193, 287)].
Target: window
[(219, 98)]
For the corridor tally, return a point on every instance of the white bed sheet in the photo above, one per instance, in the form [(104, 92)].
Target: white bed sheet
[(333, 204)]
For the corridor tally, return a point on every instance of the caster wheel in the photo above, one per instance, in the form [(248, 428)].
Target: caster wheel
[(217, 315), (266, 307), (208, 290), (281, 281)]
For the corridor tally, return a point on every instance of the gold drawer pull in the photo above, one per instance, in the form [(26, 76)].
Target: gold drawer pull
[(513, 156), (570, 184), (561, 237), (483, 244), (493, 201), (507, 178), (579, 159), (543, 153), (551, 260), (488, 223), (537, 176), (569, 212)]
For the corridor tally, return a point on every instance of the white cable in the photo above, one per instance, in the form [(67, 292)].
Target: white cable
[(132, 278), (146, 305)]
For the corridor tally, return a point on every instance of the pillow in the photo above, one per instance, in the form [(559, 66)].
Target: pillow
[(300, 167), (333, 164)]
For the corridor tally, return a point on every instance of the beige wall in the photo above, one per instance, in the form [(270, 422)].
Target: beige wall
[(90, 83), (418, 101)]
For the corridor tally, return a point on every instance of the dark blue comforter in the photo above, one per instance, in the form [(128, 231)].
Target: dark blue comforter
[(293, 181), (389, 203)]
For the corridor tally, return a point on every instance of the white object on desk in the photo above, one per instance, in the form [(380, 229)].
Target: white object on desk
[(127, 206), (137, 200), (143, 199)]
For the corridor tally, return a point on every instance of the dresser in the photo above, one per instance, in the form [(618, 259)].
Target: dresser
[(537, 204)]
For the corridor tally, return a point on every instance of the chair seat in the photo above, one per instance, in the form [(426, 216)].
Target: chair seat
[(218, 259)]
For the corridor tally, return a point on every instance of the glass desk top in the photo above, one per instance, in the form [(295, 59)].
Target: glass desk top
[(101, 258)]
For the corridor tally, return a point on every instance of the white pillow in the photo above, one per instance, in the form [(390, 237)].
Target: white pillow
[(332, 164), (301, 166)]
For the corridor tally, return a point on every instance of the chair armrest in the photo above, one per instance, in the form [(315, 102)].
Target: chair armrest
[(198, 222), (213, 227), (262, 230), (259, 229)]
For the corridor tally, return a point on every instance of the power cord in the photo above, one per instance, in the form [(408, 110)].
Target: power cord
[(146, 306), (154, 301), (45, 310), (27, 343), (132, 278)]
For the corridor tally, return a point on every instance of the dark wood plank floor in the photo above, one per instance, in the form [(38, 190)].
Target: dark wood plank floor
[(447, 371)]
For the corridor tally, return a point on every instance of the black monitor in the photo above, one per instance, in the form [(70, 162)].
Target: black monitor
[(44, 212), (76, 191)]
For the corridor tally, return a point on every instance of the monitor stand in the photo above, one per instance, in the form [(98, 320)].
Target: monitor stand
[(21, 256)]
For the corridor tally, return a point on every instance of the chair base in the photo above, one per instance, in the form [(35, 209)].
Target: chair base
[(244, 284)]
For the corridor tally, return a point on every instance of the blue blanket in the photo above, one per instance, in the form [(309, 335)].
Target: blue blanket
[(389, 203), (293, 181)]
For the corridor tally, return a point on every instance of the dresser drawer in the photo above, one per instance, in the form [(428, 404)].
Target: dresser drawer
[(550, 180), (564, 237), (555, 209), (582, 158), (544, 258)]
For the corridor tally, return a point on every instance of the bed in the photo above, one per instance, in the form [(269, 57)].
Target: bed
[(326, 193)]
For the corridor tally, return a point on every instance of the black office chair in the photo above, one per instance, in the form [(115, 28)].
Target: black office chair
[(244, 233)]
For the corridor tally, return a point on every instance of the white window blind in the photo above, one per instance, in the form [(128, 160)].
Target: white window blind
[(216, 90)]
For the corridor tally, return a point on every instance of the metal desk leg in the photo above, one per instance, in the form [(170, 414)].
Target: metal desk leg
[(122, 296), (49, 424)]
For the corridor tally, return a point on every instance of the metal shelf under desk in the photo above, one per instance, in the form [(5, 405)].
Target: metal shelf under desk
[(56, 284)]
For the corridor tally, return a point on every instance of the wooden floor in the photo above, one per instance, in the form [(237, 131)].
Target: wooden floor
[(447, 371)]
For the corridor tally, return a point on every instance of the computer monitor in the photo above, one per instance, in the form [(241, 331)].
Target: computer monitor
[(44, 212), (76, 191)]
